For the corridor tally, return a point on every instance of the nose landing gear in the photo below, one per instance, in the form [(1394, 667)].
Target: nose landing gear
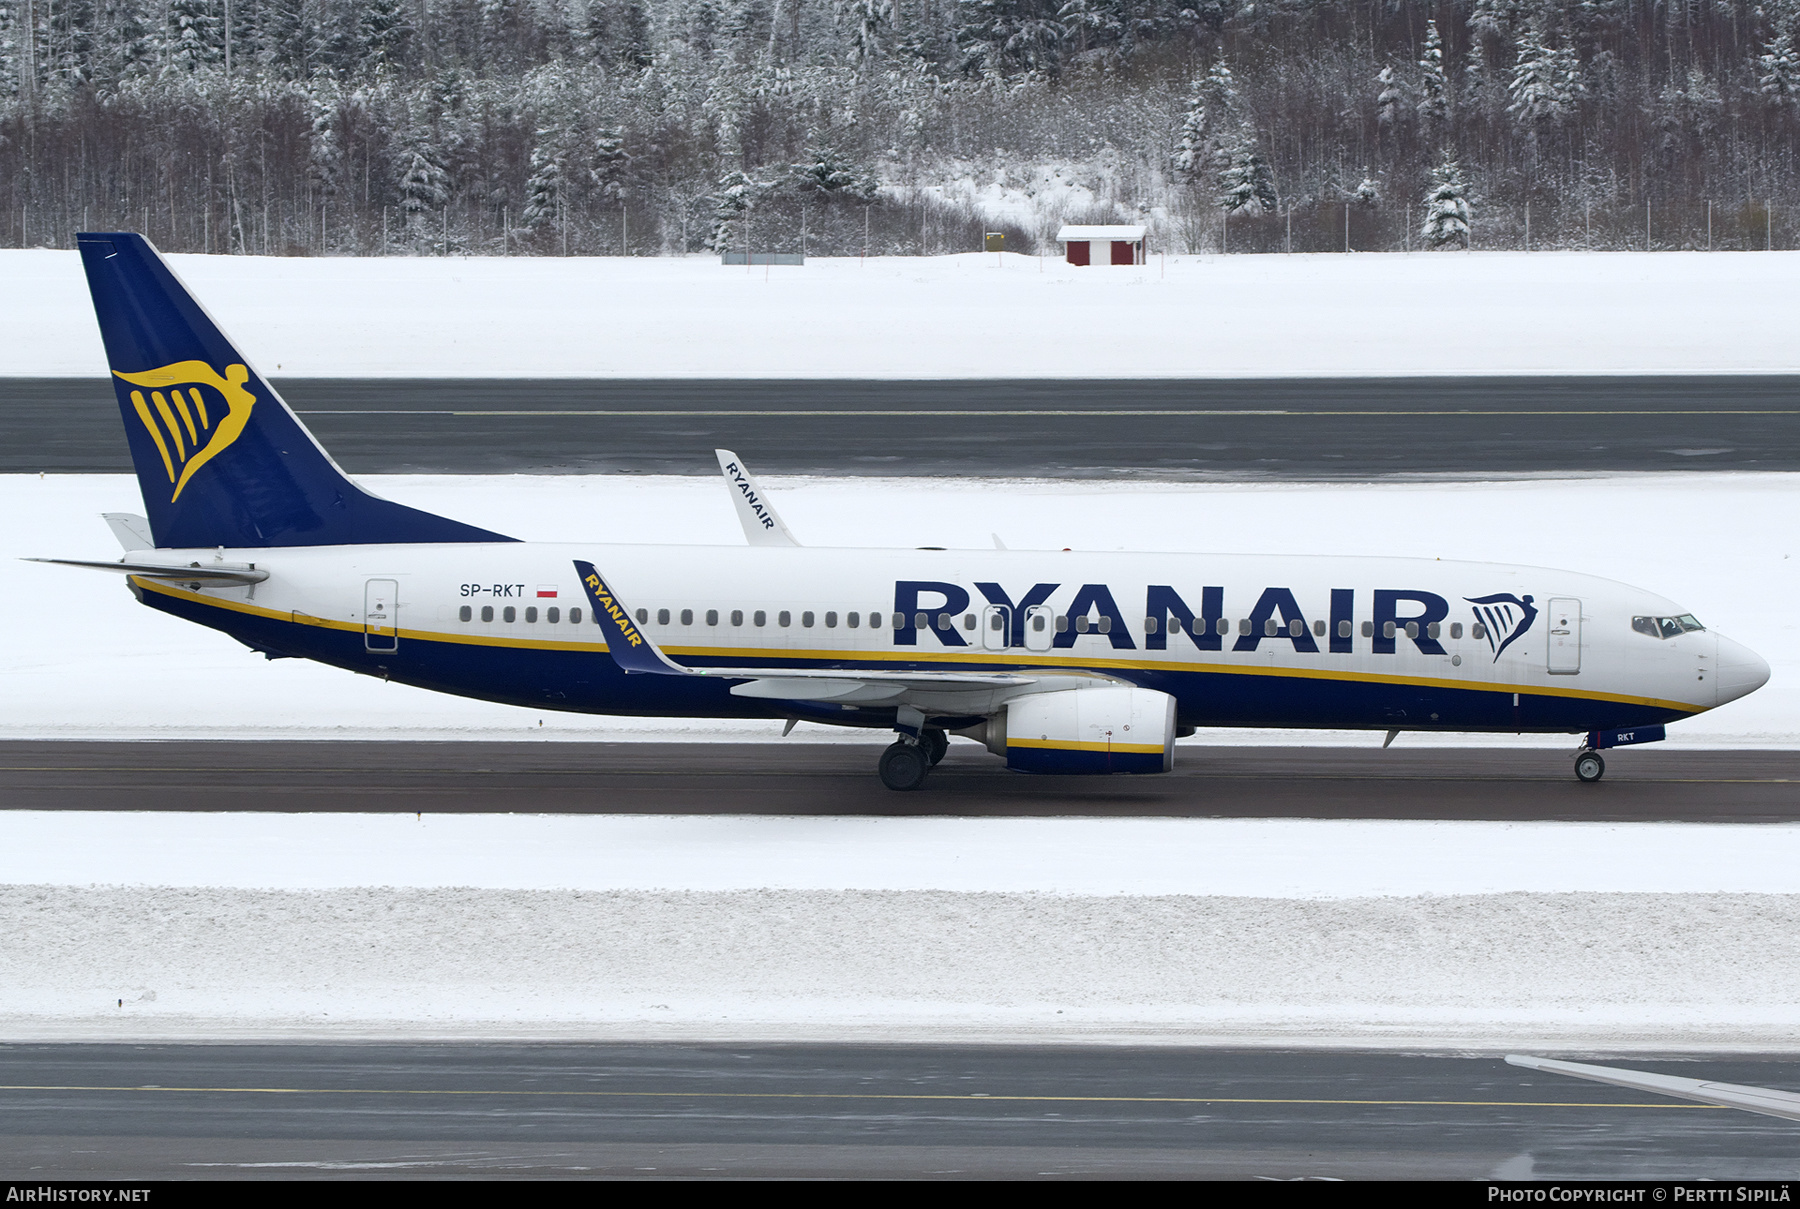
[(1589, 767)]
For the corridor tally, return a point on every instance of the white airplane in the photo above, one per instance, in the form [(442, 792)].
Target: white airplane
[(1059, 662)]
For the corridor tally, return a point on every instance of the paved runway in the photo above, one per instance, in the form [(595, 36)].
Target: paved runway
[(794, 777), (561, 1111), (1267, 428)]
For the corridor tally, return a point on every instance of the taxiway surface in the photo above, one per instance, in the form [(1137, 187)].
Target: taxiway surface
[(1244, 428), (569, 1111), (798, 778)]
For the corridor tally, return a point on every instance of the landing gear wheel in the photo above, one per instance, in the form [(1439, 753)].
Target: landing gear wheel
[(904, 765), (935, 743), (1589, 767)]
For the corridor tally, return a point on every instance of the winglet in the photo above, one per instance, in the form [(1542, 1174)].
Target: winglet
[(629, 646), (762, 527)]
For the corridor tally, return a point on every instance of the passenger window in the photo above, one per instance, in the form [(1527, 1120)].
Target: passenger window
[(531, 615), (1243, 625), (1037, 622), (643, 616), (1296, 628), (1318, 629), (784, 619), (1062, 624), (1150, 625), (712, 617), (1387, 629), (487, 612), (1369, 629), (759, 619), (687, 617), (1343, 629), (1478, 630), (1456, 629), (968, 621), (1106, 625), (1412, 629), (1224, 625), (552, 615), (662, 617), (1433, 630), (850, 619), (831, 621), (1081, 625), (737, 617), (509, 615), (575, 617), (921, 622), (466, 613), (1270, 627)]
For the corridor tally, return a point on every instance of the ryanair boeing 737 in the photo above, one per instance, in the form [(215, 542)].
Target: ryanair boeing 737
[(1059, 662)]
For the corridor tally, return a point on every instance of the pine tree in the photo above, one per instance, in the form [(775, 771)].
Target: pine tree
[(827, 174), (382, 31), (1214, 106), (1546, 81), (1779, 79), (1245, 183), (1434, 86), (1446, 207), (870, 23), (191, 38), (610, 165), (1389, 99), (732, 199), (424, 186), (547, 192)]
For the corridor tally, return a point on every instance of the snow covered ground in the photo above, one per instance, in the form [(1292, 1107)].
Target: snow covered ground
[(1174, 931), (1162, 931), (83, 660), (972, 315)]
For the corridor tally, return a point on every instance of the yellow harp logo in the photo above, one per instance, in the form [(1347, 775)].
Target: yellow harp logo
[(189, 430)]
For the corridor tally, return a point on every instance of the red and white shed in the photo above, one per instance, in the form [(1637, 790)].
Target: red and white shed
[(1102, 245)]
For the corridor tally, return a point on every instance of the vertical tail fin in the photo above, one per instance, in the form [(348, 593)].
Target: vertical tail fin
[(221, 459)]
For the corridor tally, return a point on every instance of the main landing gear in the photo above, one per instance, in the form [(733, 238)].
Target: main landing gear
[(905, 764), (1589, 767)]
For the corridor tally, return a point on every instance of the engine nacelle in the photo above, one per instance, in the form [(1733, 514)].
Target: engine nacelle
[(1086, 730)]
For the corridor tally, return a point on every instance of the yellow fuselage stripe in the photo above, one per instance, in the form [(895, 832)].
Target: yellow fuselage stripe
[(974, 659)]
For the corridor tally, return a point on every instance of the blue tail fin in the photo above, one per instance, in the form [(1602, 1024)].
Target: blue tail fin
[(222, 461)]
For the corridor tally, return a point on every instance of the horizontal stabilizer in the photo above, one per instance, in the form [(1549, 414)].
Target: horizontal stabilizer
[(132, 530), (216, 573), (1765, 1100)]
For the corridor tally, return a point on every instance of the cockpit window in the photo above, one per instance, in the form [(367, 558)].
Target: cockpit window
[(1666, 627)]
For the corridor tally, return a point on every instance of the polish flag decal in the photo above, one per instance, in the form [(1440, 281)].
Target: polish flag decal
[(546, 590)]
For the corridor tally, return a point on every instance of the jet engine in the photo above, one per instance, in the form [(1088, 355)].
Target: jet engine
[(1086, 730)]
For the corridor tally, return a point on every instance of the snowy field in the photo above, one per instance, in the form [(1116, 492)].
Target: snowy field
[(98, 665), (971, 315), (1188, 931)]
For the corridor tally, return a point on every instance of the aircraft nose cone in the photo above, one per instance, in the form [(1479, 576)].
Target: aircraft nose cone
[(1741, 671)]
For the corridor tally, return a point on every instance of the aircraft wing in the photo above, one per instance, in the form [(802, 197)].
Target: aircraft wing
[(1765, 1100), (633, 651)]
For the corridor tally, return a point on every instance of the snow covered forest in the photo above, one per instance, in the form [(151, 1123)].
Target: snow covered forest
[(654, 127)]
